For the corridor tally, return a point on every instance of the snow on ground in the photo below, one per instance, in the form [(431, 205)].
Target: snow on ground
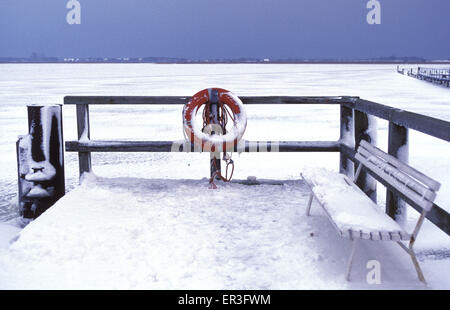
[(121, 175), (132, 233)]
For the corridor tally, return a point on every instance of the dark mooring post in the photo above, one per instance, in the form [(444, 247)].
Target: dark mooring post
[(346, 137), (84, 134), (397, 147), (40, 161), (365, 129), (214, 116)]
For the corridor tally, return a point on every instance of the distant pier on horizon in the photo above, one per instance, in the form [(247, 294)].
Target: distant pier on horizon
[(439, 76)]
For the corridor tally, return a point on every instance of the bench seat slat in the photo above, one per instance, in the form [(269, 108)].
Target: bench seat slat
[(365, 235), (395, 236), (385, 236), (375, 236)]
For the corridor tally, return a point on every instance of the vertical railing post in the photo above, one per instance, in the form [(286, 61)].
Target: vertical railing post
[(84, 158), (365, 129), (40, 161), (214, 116), (397, 147), (346, 137)]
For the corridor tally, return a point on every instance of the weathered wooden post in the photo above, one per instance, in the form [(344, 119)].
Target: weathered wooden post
[(365, 129), (397, 147), (84, 134), (214, 117), (346, 137), (40, 161)]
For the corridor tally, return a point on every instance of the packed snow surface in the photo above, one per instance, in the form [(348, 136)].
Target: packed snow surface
[(131, 233)]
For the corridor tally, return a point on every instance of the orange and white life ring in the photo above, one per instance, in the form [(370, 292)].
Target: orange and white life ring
[(216, 142)]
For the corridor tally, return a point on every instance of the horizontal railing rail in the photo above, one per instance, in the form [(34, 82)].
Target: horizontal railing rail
[(182, 146), (431, 126), (169, 100)]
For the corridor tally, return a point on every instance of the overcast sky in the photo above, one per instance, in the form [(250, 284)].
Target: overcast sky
[(201, 29)]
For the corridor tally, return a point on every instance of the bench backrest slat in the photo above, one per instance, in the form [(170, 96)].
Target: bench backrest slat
[(418, 187), (399, 175), (429, 182)]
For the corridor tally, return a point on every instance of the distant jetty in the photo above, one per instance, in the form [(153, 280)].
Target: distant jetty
[(439, 76)]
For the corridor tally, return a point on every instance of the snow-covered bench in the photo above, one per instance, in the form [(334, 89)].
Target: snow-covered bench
[(355, 215)]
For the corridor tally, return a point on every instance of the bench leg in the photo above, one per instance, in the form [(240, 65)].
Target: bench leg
[(350, 260), (411, 253), (308, 207), (417, 266)]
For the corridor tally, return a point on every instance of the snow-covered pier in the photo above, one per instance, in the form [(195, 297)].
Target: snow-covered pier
[(132, 232), (439, 76)]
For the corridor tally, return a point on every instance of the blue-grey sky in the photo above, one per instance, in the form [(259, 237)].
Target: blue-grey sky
[(201, 29)]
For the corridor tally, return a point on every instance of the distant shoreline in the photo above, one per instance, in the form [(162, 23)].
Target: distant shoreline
[(239, 63)]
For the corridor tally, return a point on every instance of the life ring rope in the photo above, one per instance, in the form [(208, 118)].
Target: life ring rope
[(228, 106)]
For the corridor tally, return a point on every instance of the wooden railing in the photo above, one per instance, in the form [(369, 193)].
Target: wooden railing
[(356, 123), (442, 72)]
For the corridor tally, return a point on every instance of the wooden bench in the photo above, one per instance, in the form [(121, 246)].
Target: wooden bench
[(355, 216)]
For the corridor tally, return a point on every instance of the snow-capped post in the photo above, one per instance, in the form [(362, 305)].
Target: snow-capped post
[(214, 116), (40, 160), (84, 158), (347, 138), (365, 129), (397, 147)]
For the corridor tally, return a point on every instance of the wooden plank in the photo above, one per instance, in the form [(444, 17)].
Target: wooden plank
[(384, 168), (385, 236), (348, 151), (84, 157), (345, 233), (418, 200), (404, 236), (170, 146), (215, 160), (395, 236), (346, 135), (43, 144), (431, 126), (436, 214), (364, 130), (375, 236), (174, 100), (356, 234), (364, 235), (398, 148), (321, 203), (431, 183)]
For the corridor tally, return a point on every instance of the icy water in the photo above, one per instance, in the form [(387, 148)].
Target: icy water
[(22, 84)]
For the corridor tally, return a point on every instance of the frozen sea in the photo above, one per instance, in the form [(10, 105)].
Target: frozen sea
[(134, 197), (22, 84)]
